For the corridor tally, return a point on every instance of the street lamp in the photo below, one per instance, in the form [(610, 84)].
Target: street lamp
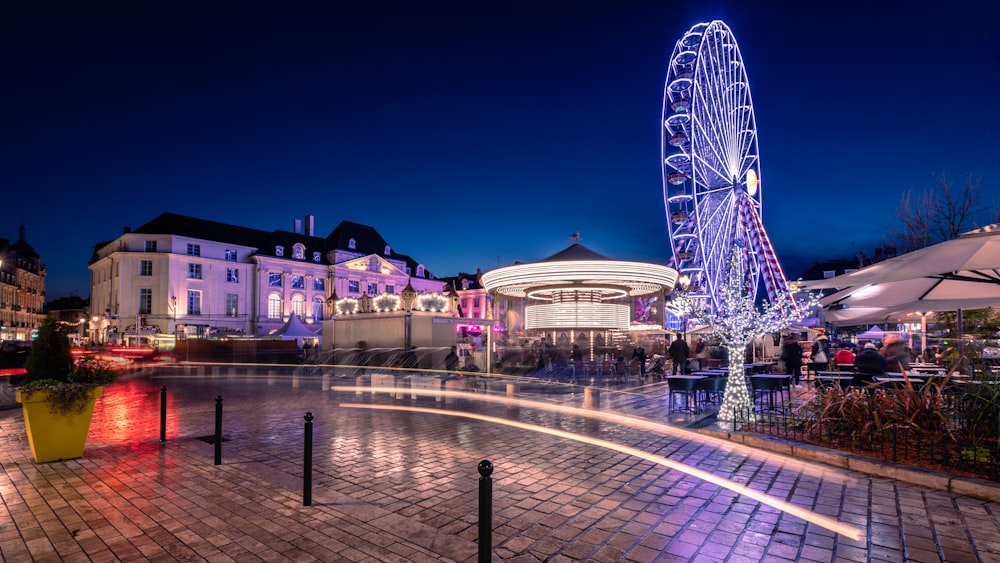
[(173, 301), (684, 281), (923, 331)]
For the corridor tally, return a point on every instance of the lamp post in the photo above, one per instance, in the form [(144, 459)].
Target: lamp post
[(684, 281), (173, 301), (923, 331)]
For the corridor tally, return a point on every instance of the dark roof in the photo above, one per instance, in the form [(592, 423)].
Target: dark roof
[(22, 248), (288, 239), (457, 281), (839, 266), (366, 241), (576, 251), (172, 223)]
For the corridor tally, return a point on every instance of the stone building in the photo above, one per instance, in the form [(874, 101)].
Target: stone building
[(198, 278), (22, 289)]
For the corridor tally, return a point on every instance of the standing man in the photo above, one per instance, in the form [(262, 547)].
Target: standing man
[(679, 353), (791, 354)]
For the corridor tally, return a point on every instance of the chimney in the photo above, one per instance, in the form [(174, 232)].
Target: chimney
[(310, 225), (298, 226)]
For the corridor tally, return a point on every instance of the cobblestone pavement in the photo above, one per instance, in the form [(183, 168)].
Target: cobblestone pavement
[(402, 485)]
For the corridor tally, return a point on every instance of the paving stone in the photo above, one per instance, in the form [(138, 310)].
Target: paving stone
[(402, 486)]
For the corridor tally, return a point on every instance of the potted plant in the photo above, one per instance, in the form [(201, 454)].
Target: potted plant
[(57, 396)]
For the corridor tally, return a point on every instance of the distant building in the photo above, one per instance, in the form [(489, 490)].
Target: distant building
[(473, 300), (74, 313), (830, 268), (198, 278), (22, 289)]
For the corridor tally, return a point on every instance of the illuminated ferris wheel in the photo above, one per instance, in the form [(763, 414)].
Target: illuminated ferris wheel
[(711, 166)]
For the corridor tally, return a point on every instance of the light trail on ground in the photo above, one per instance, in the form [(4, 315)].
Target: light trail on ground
[(807, 515), (808, 468)]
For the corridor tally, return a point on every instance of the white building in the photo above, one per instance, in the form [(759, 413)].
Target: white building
[(182, 275)]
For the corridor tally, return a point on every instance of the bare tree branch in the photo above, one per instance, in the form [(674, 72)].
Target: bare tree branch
[(941, 212)]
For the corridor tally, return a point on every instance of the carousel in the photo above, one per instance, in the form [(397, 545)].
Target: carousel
[(579, 301)]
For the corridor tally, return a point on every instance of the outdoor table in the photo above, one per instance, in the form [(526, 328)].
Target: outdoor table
[(897, 381), (771, 383), (831, 378), (685, 386)]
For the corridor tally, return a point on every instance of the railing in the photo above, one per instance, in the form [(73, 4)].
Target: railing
[(963, 449)]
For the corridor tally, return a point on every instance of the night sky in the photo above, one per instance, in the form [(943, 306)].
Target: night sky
[(473, 134)]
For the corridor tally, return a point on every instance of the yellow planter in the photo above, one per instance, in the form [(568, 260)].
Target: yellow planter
[(53, 436)]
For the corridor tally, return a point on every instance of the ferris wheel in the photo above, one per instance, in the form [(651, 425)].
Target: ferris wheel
[(711, 166)]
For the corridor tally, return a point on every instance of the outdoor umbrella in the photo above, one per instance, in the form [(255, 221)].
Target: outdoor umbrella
[(962, 273)]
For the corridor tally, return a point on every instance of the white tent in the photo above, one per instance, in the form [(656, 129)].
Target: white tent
[(962, 273), (874, 333), (294, 329)]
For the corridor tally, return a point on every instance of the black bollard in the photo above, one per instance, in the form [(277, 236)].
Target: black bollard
[(307, 472), (163, 413), (485, 511), (218, 430)]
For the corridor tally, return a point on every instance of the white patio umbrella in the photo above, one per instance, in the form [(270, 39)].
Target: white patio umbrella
[(962, 273)]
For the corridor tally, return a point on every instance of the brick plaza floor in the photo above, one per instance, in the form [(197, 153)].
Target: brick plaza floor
[(401, 485)]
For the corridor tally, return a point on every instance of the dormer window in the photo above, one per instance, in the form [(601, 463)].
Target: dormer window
[(388, 251), (299, 252), (316, 257), (352, 244), (420, 270), (465, 283), (279, 250)]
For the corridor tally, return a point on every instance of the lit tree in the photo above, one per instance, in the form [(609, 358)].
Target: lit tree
[(736, 322)]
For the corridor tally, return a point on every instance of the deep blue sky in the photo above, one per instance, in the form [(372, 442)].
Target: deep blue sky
[(474, 134)]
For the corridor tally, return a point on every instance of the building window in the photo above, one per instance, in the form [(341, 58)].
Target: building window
[(298, 282), (388, 251), (230, 255), (352, 244), (318, 308), (318, 284), (145, 301), (150, 246), (390, 288), (232, 305), (194, 271), (475, 302), (145, 267), (194, 302), (420, 270), (299, 252), (273, 306), (316, 256), (233, 275), (299, 306), (372, 288), (194, 250), (353, 286), (274, 279), (279, 250)]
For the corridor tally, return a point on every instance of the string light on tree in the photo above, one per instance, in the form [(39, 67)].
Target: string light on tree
[(736, 321)]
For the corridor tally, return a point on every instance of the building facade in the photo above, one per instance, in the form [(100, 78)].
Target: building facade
[(22, 289), (195, 278)]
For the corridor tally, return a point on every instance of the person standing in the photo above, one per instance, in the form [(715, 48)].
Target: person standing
[(894, 352), (821, 352), (639, 355), (791, 354), (679, 353), (701, 353), (451, 360)]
